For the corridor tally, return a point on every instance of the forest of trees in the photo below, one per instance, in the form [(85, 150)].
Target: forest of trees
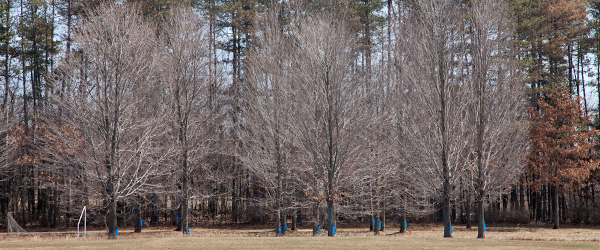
[(308, 112)]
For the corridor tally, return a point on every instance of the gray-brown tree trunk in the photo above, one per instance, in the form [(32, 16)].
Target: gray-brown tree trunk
[(403, 223), (445, 168), (330, 217), (294, 220), (468, 209), (316, 220), (376, 231), (556, 209), (112, 214)]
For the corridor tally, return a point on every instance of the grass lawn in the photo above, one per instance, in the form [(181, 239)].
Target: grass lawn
[(427, 238)]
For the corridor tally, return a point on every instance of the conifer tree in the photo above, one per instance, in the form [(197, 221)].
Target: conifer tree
[(561, 140)]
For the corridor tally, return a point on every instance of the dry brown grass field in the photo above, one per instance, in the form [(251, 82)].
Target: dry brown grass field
[(423, 237)]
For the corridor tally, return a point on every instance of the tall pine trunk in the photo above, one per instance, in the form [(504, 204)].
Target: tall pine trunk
[(555, 205)]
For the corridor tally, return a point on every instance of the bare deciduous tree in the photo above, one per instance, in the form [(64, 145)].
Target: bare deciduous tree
[(498, 96), (435, 134), (185, 71), (268, 142), (7, 149), (330, 117), (113, 110)]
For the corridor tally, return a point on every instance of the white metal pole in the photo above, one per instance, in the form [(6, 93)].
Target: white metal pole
[(83, 213)]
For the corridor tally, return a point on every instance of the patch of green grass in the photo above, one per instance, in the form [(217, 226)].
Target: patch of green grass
[(350, 242)]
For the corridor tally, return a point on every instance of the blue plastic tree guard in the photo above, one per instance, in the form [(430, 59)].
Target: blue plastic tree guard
[(141, 222), (451, 229), (188, 230), (484, 226), (379, 225), (286, 225), (117, 232), (334, 229), (319, 228), (177, 218), (405, 224), (279, 229)]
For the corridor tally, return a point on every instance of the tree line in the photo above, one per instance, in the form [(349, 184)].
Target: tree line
[(311, 111)]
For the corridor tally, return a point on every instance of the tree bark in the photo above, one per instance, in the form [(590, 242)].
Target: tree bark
[(294, 220), (403, 223), (331, 162), (283, 223), (7, 59), (112, 217), (185, 199), (315, 220), (279, 196), (177, 218), (138, 215), (376, 231), (383, 220), (445, 168), (330, 217), (468, 209), (521, 197), (4, 197), (556, 210), (480, 218)]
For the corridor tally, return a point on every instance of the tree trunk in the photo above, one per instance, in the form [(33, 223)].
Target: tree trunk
[(376, 231), (279, 177), (4, 198), (138, 215), (570, 59), (403, 223), (446, 214), (383, 220), (597, 78), (7, 62), (330, 217), (178, 218), (521, 197), (186, 199), (154, 217), (563, 208), (316, 220), (294, 220), (445, 168), (544, 200), (468, 209), (278, 230), (480, 217), (112, 199), (556, 210), (112, 216), (530, 203), (581, 56), (283, 223), (514, 201)]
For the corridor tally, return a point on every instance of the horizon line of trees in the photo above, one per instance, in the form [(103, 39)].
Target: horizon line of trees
[(313, 111)]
